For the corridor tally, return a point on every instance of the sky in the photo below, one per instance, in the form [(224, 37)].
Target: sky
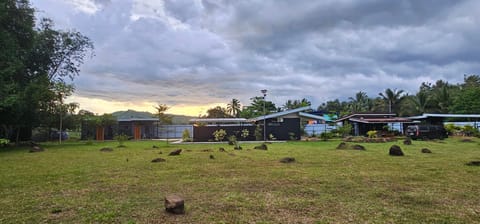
[(195, 54)]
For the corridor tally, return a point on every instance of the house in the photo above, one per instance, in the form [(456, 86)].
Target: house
[(364, 122), (284, 125)]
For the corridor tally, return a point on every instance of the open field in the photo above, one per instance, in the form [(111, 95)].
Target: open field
[(76, 183)]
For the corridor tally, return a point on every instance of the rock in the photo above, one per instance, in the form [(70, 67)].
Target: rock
[(106, 149), (466, 140), (261, 147), (395, 150), (175, 152), (174, 204), (407, 141), (212, 157), (36, 148), (473, 163), (221, 149), (342, 145), (158, 160), (358, 147), (155, 147), (425, 150), (160, 152), (287, 160)]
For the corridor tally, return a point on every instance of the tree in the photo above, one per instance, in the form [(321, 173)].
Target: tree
[(293, 104), (217, 112), (233, 108), (392, 98), (361, 102), (256, 108), (162, 117), (467, 100), (32, 63)]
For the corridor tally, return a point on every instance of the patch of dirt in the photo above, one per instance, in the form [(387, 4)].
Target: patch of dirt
[(106, 149)]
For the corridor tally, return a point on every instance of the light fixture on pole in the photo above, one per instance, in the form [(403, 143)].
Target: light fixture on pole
[(264, 92)]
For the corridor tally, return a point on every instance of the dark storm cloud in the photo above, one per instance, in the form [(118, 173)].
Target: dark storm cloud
[(206, 51)]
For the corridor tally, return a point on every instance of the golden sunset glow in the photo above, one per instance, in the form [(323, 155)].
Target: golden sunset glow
[(100, 106)]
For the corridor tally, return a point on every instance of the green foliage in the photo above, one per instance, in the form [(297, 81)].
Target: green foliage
[(345, 129), (245, 133), (258, 133), (233, 108), (219, 135), (469, 130), (218, 112), (162, 117), (4, 142), (271, 137), (121, 139), (186, 135), (35, 65), (326, 135), (372, 134), (452, 129), (232, 140), (291, 135)]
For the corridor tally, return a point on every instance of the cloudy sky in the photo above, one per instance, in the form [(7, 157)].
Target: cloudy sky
[(193, 54)]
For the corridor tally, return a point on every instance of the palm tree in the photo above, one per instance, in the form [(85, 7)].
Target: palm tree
[(420, 101), (360, 103), (234, 107), (392, 97)]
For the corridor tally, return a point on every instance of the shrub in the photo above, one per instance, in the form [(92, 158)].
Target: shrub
[(271, 137), (232, 140), (451, 129), (326, 135), (245, 133), (4, 142), (292, 136), (121, 138), (469, 130), (186, 135), (258, 133), (219, 135), (372, 134), (345, 129)]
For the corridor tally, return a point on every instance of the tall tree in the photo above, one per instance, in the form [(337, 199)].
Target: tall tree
[(218, 112), (162, 117), (361, 102), (32, 62), (234, 108), (392, 98), (293, 104)]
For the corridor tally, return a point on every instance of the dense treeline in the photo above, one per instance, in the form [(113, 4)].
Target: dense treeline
[(440, 97), (37, 66)]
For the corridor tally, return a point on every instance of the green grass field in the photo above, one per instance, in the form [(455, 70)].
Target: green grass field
[(76, 183)]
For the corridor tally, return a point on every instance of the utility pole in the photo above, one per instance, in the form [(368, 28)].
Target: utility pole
[(264, 92)]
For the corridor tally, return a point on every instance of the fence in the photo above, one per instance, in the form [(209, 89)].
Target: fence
[(172, 131)]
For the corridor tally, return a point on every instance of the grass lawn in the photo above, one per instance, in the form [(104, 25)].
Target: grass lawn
[(76, 183)]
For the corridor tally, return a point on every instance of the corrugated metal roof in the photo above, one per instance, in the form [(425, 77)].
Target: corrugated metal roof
[(364, 115), (382, 120), (218, 120), (424, 116), (138, 119), (313, 116), (279, 114)]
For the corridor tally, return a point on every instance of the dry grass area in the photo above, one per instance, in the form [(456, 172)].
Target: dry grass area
[(77, 183)]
